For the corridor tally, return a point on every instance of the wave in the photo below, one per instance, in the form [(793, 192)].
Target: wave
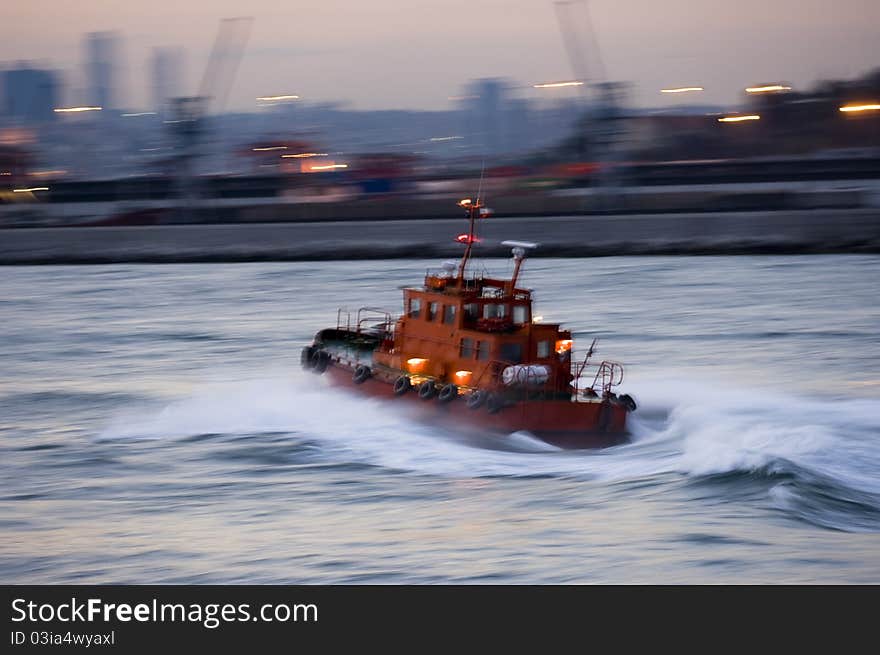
[(700, 430)]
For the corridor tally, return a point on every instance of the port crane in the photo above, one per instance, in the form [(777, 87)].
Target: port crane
[(599, 131), (189, 115)]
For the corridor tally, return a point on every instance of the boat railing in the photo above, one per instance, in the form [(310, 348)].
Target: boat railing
[(343, 314), (375, 321), (608, 375)]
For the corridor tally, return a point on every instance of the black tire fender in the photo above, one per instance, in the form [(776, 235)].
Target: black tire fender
[(495, 403), (402, 385), (320, 361), (476, 399), (305, 357), (448, 393), (427, 390), (361, 374), (628, 402)]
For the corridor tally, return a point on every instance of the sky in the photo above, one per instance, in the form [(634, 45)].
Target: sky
[(416, 54)]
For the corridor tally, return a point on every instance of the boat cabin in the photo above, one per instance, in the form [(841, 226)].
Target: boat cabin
[(467, 331)]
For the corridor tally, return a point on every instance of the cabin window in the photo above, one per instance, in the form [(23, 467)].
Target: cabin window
[(494, 311), (449, 314), (543, 349), (432, 311), (472, 311), (483, 350), (415, 307), (467, 348), (511, 352), (520, 314)]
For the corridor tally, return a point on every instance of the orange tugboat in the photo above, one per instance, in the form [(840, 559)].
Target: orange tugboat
[(468, 353)]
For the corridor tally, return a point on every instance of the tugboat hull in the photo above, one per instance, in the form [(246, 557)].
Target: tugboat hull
[(594, 423)]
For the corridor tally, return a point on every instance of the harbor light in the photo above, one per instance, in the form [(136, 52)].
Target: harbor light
[(329, 167), (860, 108), (739, 119), (556, 85), (463, 378), (75, 110), (768, 88), (683, 89)]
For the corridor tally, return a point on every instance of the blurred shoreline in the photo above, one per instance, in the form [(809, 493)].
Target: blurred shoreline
[(721, 233)]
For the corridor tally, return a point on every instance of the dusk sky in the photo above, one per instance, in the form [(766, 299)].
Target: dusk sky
[(417, 53)]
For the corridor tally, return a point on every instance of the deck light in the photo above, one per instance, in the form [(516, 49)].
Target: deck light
[(416, 364), (563, 345)]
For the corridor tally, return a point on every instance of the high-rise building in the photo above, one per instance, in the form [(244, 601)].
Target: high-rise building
[(30, 94), (166, 68), (482, 105), (101, 60)]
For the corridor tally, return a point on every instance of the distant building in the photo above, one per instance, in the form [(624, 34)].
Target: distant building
[(166, 68), (483, 104), (29, 94), (101, 60)]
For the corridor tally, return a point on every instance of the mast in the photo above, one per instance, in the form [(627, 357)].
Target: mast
[(469, 238)]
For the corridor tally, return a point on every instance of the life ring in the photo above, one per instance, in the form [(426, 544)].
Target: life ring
[(448, 393), (402, 385), (305, 357), (427, 390), (476, 399), (495, 403), (361, 374), (628, 402), (320, 360)]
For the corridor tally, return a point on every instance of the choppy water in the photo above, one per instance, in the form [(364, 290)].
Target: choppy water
[(155, 427)]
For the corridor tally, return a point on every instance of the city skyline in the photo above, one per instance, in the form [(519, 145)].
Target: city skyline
[(417, 55)]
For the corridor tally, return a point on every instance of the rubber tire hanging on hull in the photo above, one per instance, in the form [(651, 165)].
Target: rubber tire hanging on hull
[(305, 358), (495, 403), (402, 385), (427, 390), (628, 402), (448, 393), (476, 399), (361, 374), (320, 361)]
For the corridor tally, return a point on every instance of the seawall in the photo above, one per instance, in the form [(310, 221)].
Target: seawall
[(756, 232)]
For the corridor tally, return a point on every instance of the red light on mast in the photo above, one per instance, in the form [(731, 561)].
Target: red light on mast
[(466, 238)]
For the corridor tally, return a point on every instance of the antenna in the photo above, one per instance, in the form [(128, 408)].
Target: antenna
[(480, 186), (519, 254)]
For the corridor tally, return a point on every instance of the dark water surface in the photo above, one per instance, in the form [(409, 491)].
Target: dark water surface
[(155, 427)]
